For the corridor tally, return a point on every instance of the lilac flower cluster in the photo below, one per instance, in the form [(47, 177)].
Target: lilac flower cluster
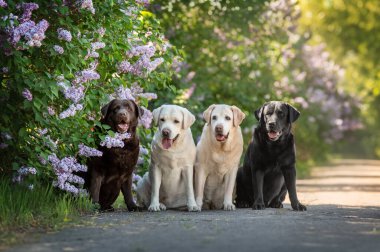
[(146, 118), (71, 111), (145, 53), (51, 110), (36, 34), (143, 150), (64, 35), (5, 70), (88, 151), (75, 94), (142, 2), (58, 49), (133, 93), (101, 31), (23, 172), (27, 94), (94, 46), (4, 138), (27, 8), (3, 4), (86, 76), (116, 141), (87, 5), (135, 179), (42, 131), (63, 169)]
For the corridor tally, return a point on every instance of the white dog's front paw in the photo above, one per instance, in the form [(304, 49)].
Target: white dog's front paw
[(229, 206), (193, 207), (156, 207)]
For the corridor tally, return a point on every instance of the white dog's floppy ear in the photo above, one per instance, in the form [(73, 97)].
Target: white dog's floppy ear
[(156, 114), (207, 113), (188, 119), (238, 116), (293, 113)]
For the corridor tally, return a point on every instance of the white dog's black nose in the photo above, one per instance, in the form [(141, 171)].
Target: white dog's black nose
[(166, 132)]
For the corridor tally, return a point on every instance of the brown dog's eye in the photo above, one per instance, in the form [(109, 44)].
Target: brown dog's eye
[(176, 121), (228, 118), (214, 118)]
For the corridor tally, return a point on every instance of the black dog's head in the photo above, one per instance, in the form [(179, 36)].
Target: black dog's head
[(276, 117), (121, 115)]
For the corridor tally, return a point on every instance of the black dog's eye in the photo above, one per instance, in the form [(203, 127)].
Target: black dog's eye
[(228, 118), (280, 113), (162, 120), (214, 118), (176, 121)]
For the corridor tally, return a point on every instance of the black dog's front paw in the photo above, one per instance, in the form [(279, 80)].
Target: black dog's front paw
[(276, 204), (107, 209), (242, 204), (298, 207), (258, 206), (134, 208)]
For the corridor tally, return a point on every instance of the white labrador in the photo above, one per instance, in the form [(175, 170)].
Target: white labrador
[(218, 156), (169, 182)]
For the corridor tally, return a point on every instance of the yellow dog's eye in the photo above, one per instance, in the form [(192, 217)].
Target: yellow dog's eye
[(176, 121), (228, 118), (214, 118), (162, 120)]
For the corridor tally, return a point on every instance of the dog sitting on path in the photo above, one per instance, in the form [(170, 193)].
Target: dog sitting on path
[(218, 156), (169, 182), (269, 170), (112, 172)]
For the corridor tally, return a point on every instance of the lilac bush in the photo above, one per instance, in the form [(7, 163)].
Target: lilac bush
[(59, 64)]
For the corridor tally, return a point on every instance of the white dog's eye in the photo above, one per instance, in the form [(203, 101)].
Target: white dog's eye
[(228, 118), (176, 121), (214, 118), (162, 120)]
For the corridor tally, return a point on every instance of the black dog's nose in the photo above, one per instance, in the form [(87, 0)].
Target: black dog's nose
[(271, 124), (219, 128), (165, 132)]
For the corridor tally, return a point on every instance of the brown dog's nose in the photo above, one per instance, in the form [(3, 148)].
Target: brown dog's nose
[(219, 128), (166, 132)]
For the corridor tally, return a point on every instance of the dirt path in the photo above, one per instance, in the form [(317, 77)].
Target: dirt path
[(343, 215)]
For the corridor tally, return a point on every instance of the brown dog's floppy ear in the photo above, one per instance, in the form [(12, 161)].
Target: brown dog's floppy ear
[(188, 119), (138, 110), (104, 109), (156, 114), (238, 116), (207, 113), (293, 113)]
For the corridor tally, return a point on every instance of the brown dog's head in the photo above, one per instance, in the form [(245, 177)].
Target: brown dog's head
[(121, 115)]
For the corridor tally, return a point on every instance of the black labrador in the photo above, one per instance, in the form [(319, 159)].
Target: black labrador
[(269, 165)]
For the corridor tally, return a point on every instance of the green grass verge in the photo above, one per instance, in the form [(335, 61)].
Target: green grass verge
[(23, 211)]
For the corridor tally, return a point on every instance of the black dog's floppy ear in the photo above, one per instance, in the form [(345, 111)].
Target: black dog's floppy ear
[(293, 113), (104, 109), (259, 112)]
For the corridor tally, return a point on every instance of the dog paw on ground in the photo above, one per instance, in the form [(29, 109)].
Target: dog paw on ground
[(298, 207), (258, 206), (154, 208), (229, 207), (193, 208), (134, 208)]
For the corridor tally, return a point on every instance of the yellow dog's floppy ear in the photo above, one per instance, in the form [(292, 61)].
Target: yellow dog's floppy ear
[(238, 116), (188, 118), (156, 115), (207, 113)]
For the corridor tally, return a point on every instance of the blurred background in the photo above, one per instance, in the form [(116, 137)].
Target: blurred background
[(319, 55)]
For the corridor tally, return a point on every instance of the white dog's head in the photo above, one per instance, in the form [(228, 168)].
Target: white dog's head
[(172, 120), (222, 118)]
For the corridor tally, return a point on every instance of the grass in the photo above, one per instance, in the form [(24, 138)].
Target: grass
[(23, 211)]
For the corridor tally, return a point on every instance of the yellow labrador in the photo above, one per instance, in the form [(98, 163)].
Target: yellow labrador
[(218, 156), (169, 182)]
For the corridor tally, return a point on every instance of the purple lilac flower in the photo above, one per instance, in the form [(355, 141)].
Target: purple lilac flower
[(42, 160), (146, 118), (101, 31), (87, 5), (3, 145), (5, 69), (27, 9), (51, 111), (149, 96), (143, 150), (116, 141), (75, 94), (64, 35), (88, 151), (154, 64), (58, 49), (35, 35), (22, 172), (85, 76), (97, 45), (27, 94), (124, 93), (42, 131), (142, 2), (71, 111), (15, 34), (6, 136), (124, 67), (3, 4)]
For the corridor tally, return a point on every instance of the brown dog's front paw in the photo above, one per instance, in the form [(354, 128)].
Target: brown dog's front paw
[(107, 209), (298, 207), (258, 206)]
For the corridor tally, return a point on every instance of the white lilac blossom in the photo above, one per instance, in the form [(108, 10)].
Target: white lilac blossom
[(146, 118), (116, 141), (51, 111), (3, 4), (64, 35), (86, 5), (6, 136), (63, 169), (71, 111), (27, 94), (88, 151), (31, 187), (58, 49)]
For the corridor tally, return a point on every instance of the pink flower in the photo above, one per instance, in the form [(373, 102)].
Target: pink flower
[(27, 94)]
